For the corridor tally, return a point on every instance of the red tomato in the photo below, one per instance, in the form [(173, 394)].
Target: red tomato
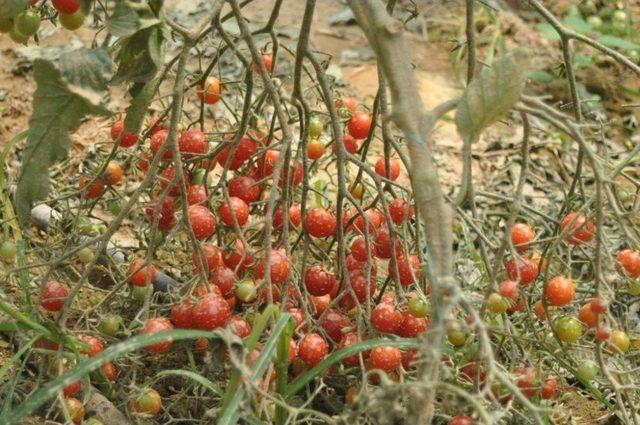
[(509, 289), (202, 221), (400, 211), (630, 262), (267, 61), (521, 236), (245, 188), (246, 148), (315, 149), (159, 324), (312, 349), (280, 267), (335, 323), (598, 305), (522, 269), (560, 291), (359, 249), (461, 420), (320, 222), (350, 145), (235, 207), (578, 228), (167, 211), (53, 295), (386, 318), (138, 272), (394, 168), (347, 340), (527, 382), (127, 138), (549, 388), (240, 326), (317, 281), (236, 258), (383, 243), (210, 312), (192, 142), (181, 314), (93, 188), (587, 316), (95, 345), (359, 125), (412, 326), (385, 358), (408, 269)]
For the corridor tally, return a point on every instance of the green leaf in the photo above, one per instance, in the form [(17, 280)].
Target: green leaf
[(199, 379), (69, 88), (88, 365), (140, 56), (231, 412), (128, 18), (621, 43), (137, 110), (578, 24), (540, 76), (10, 8), (548, 30), (492, 93)]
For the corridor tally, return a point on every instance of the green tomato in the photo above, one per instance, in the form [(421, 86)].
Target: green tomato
[(619, 28), (27, 23), (623, 196), (92, 421), (110, 324), (85, 255), (198, 176), (114, 206), (246, 291), (595, 22), (568, 329), (573, 10), (139, 293), (315, 127), (418, 307), (11, 8), (634, 288), (587, 370), (457, 338), (72, 21), (8, 251), (588, 7), (17, 36), (5, 26), (619, 16), (634, 55), (606, 13)]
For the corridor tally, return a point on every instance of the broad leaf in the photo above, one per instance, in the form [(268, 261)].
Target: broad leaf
[(139, 105), (128, 18), (578, 24), (140, 56), (492, 93), (621, 43), (10, 8), (548, 30), (68, 89)]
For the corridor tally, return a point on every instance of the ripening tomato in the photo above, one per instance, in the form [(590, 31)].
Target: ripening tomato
[(630, 262), (385, 358), (598, 305), (315, 149), (619, 341), (418, 306), (147, 402), (127, 138), (568, 329), (538, 309), (461, 420), (509, 289), (394, 168), (210, 93), (521, 236), (560, 291), (603, 333), (53, 295), (527, 382), (587, 316), (497, 303), (578, 228), (95, 345), (109, 371), (522, 269), (74, 407), (240, 326), (359, 125), (158, 324), (113, 173)]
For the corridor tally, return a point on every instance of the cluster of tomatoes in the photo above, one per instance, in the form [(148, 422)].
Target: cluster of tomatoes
[(25, 24)]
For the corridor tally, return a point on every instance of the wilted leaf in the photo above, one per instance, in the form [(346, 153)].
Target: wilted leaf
[(10, 8), (492, 93), (126, 19), (139, 105), (140, 56), (68, 89)]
